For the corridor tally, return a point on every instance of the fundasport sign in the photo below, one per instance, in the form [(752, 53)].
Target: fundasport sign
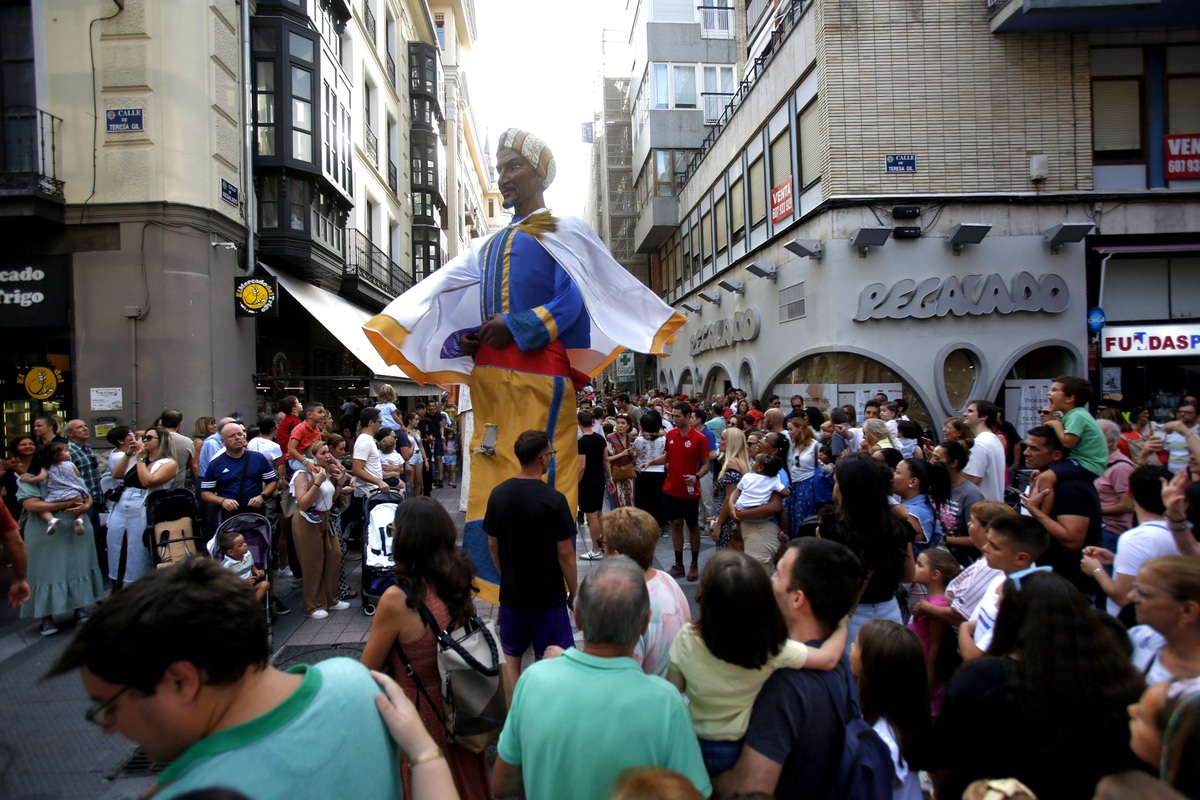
[(1138, 341)]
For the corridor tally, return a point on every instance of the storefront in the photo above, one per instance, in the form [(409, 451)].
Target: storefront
[(1148, 300), (939, 326)]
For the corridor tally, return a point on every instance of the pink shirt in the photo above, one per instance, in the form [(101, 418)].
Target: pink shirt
[(1111, 486), (669, 611)]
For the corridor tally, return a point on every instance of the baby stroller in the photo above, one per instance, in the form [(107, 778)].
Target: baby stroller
[(379, 510), (172, 529), (256, 530)]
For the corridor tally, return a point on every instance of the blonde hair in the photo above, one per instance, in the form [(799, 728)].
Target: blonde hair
[(631, 532), (387, 394), (984, 511), (1179, 574), (736, 453), (876, 430)]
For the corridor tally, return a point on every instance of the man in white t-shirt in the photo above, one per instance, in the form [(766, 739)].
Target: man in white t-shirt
[(986, 469), (1150, 539), (364, 461)]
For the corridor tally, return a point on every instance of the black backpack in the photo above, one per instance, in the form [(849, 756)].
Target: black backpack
[(865, 770)]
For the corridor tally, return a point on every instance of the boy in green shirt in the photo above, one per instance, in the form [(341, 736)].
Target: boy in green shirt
[(1076, 428)]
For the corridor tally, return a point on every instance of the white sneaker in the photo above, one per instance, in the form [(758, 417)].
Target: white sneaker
[(592, 555), (50, 526), (320, 613), (79, 529), (341, 605), (286, 572)]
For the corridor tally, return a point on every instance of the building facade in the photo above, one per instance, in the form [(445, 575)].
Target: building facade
[(928, 200)]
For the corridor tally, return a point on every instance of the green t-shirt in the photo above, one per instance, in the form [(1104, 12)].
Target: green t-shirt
[(1091, 451), (326, 740), (578, 720)]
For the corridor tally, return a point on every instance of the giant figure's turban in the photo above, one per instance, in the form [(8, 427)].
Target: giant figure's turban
[(532, 149)]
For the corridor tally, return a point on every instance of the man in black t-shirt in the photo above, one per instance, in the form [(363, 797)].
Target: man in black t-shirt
[(531, 537), (792, 748)]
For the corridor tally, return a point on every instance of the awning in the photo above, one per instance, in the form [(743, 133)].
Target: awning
[(345, 320)]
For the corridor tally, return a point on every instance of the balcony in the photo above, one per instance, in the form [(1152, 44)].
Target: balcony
[(29, 184), (369, 274), (369, 20), (372, 145)]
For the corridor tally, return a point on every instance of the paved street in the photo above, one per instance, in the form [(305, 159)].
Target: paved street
[(47, 749)]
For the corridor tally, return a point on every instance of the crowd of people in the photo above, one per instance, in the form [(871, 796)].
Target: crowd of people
[(991, 607)]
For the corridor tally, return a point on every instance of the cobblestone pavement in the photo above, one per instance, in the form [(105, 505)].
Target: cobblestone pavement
[(48, 751)]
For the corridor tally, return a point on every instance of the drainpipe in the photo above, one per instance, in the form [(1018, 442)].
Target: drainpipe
[(248, 141)]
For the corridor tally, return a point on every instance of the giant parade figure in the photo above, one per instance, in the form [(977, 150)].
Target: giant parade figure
[(523, 318)]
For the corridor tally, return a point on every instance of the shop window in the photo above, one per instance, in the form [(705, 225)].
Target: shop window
[(960, 371), (1044, 362), (852, 369)]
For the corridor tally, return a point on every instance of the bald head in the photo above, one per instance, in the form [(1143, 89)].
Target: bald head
[(77, 431), (614, 604)]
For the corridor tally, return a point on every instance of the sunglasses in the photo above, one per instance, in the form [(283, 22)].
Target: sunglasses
[(1016, 577), (149, 438)]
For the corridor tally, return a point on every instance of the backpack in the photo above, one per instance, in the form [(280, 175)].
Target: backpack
[(865, 770), (474, 702)]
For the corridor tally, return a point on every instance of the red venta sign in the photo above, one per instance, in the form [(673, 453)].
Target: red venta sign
[(781, 201), (1183, 156)]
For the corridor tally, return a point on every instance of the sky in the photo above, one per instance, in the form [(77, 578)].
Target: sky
[(535, 65)]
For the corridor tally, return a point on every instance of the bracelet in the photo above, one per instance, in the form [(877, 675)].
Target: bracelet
[(432, 754), (1097, 569)]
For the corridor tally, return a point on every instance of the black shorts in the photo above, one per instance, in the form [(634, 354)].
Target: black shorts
[(591, 497), (684, 508)]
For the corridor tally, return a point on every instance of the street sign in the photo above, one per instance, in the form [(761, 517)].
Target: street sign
[(901, 162), (123, 120)]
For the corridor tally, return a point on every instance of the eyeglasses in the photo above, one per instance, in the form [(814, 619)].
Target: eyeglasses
[(795, 406), (149, 438), (98, 713), (548, 453), (1016, 577)]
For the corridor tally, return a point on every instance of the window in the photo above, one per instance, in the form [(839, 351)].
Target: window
[(716, 19), (781, 159), (791, 302), (423, 207), (426, 252), (369, 221), (662, 89), (810, 145), (737, 210), (722, 225), (1117, 119), (300, 47), (264, 107), (424, 70), (685, 87), (758, 194), (706, 241), (298, 198), (718, 88), (697, 245), (1183, 105), (325, 225), (268, 202), (302, 117), (683, 270), (439, 22), (423, 152), (329, 125)]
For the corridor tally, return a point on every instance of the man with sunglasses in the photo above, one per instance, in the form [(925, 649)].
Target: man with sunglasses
[(178, 662)]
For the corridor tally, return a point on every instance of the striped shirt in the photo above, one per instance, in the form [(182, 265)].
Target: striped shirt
[(967, 589)]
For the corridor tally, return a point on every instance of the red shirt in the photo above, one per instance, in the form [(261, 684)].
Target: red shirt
[(306, 434), (684, 454), (284, 433)]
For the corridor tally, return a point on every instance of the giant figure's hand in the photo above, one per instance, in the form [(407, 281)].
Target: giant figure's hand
[(495, 333)]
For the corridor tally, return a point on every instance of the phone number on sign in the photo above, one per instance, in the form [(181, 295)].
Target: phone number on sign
[(1183, 166)]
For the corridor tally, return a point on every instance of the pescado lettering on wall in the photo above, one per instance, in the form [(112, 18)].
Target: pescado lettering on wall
[(18, 297), (743, 326), (973, 295)]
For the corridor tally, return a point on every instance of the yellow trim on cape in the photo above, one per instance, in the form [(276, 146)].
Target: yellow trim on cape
[(666, 332), (488, 591), (386, 335)]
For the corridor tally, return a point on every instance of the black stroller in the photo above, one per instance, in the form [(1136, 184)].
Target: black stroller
[(379, 510), (172, 529), (256, 530)]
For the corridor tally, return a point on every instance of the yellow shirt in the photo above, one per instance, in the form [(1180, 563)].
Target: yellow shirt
[(720, 694)]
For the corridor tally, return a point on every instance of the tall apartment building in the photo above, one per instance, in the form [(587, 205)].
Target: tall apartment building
[(946, 200), (147, 146)]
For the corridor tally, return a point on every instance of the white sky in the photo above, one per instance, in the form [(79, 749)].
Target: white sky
[(535, 66)]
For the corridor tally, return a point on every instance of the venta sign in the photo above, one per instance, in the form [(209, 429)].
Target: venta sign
[(33, 292), (973, 295), (1138, 341)]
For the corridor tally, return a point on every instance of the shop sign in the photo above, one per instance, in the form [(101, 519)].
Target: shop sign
[(1138, 341), (781, 201), (33, 292), (625, 369), (41, 383), (256, 297), (1183, 156), (743, 326), (974, 295)]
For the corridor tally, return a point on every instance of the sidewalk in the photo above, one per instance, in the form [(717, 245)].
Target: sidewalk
[(47, 749)]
